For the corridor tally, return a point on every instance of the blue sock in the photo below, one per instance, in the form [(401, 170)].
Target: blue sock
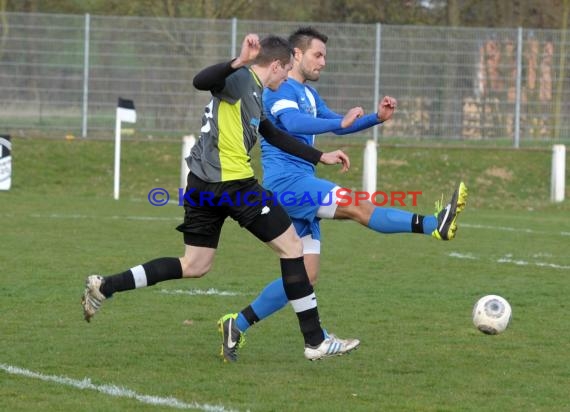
[(430, 224), (386, 220), (269, 301)]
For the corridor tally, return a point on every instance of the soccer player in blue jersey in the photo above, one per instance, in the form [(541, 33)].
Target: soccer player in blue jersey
[(297, 108), (220, 166)]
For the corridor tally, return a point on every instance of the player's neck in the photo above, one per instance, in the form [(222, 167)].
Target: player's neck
[(293, 74), (261, 74)]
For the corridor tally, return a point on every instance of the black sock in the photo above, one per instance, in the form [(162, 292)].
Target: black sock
[(249, 315), (417, 224), (147, 274), (301, 296)]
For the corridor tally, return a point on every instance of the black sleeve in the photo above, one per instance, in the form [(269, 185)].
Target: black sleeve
[(213, 77), (287, 143)]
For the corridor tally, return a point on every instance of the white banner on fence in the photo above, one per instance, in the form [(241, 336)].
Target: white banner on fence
[(5, 162)]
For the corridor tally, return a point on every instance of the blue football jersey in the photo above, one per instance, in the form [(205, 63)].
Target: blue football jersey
[(295, 96)]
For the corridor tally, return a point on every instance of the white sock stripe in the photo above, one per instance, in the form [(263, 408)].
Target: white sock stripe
[(303, 304), (139, 275)]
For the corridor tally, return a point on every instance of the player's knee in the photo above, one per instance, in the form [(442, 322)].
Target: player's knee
[(361, 213), (288, 244), (291, 245), (194, 269), (293, 248)]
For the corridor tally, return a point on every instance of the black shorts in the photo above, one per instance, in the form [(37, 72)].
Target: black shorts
[(206, 206)]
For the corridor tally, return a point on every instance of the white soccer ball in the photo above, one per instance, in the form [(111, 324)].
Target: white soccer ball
[(492, 314)]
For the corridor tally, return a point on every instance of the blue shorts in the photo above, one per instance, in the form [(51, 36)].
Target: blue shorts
[(301, 195), (304, 228)]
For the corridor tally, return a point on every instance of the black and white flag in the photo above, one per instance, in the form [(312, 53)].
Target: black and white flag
[(5, 162), (126, 111)]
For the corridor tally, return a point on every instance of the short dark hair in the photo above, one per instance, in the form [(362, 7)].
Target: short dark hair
[(302, 37), (274, 48)]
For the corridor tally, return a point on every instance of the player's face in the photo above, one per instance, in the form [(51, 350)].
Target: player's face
[(279, 74), (313, 60)]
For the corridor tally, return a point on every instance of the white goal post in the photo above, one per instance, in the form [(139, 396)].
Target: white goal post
[(557, 179), (370, 163)]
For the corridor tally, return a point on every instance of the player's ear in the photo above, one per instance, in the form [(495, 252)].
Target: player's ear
[(297, 53), (275, 65)]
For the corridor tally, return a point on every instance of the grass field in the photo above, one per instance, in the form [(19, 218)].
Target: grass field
[(408, 298)]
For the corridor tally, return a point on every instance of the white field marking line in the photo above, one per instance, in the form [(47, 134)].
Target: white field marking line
[(512, 229), (113, 390), (462, 255), (199, 292), (509, 259)]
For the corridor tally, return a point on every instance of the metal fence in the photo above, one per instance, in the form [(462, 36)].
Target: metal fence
[(64, 73)]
